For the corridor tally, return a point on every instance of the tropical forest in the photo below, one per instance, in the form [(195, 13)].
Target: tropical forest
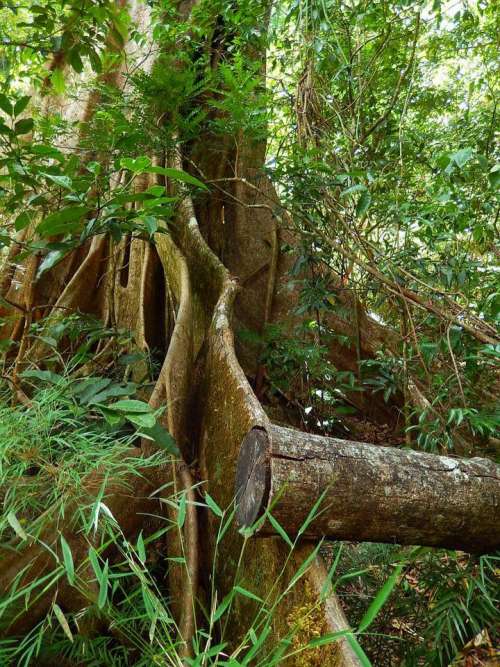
[(249, 345)]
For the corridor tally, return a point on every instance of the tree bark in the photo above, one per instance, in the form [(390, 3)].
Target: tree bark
[(366, 492)]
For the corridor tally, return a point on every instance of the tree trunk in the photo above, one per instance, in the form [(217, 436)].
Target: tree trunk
[(223, 250), (367, 493)]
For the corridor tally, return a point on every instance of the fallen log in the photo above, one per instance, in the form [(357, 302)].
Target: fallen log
[(369, 493)]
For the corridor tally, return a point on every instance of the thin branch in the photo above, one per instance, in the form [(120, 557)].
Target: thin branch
[(397, 91)]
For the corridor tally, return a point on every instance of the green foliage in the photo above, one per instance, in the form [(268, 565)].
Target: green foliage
[(444, 599), (380, 121), (48, 450)]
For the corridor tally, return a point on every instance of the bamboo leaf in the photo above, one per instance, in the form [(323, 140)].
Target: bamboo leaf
[(16, 526), (223, 606), (181, 514), (358, 650), (141, 549), (62, 621), (213, 505), (326, 639), (68, 561), (103, 586), (380, 599), (279, 529), (247, 594)]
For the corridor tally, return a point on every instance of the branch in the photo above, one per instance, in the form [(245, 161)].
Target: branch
[(395, 96)]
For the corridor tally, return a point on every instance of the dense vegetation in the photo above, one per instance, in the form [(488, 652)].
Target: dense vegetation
[(378, 120)]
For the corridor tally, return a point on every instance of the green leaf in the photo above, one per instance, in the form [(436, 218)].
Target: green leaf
[(151, 224), (213, 505), (257, 642), (247, 594), (60, 179), (57, 80), (16, 526), (63, 221), (494, 176), (95, 61), (5, 105), (223, 606), (181, 513), (68, 561), (51, 259), (141, 549), (313, 513), (113, 418), (21, 104), (358, 650), (94, 561), (359, 187), (162, 438), (461, 157), (279, 529), (137, 165), (305, 565), (93, 167), (103, 586), (23, 126), (86, 389), (22, 221), (44, 376), (75, 60), (363, 203), (47, 151), (177, 175), (380, 599), (327, 639), (62, 621), (130, 405), (142, 420), (114, 391)]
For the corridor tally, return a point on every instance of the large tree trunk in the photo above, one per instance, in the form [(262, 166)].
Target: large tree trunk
[(211, 405), (367, 493), (219, 268)]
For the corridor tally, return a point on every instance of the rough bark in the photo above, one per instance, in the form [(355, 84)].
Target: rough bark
[(178, 296), (368, 493), (223, 408)]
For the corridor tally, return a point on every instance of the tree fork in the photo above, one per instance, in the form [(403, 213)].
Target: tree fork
[(370, 493)]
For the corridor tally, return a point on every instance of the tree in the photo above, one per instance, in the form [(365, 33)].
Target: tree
[(158, 216)]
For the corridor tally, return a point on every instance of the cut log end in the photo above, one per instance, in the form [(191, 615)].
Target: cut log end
[(369, 493), (253, 477)]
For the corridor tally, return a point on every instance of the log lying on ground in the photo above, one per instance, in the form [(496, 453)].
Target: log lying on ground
[(371, 493)]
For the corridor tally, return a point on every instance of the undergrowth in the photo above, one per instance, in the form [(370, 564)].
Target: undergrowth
[(68, 430), (444, 600)]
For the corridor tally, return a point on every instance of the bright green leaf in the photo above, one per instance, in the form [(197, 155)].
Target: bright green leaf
[(380, 599), (130, 405), (57, 80), (177, 175), (68, 561)]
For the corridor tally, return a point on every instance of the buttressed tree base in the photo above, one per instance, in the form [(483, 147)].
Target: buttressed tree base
[(219, 265)]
